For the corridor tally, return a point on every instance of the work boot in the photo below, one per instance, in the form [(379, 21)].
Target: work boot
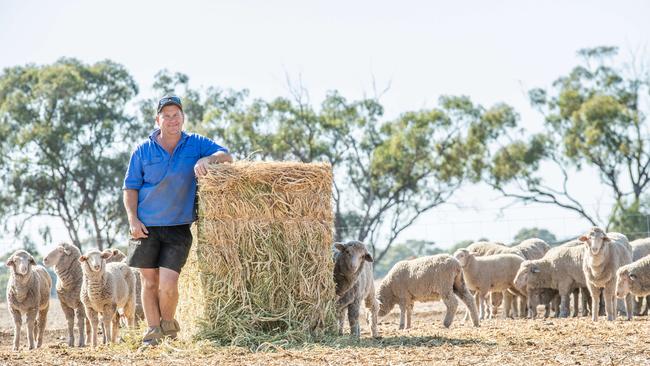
[(170, 328), (153, 336)]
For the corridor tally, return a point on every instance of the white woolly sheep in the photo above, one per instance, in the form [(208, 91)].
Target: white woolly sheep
[(634, 278), (119, 256), (107, 289), (28, 293), (640, 249), (354, 284), (65, 259), (604, 254), (431, 278), (489, 273), (560, 269)]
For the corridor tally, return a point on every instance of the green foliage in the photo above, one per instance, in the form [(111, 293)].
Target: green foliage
[(534, 232), (66, 144), (594, 117), (633, 219)]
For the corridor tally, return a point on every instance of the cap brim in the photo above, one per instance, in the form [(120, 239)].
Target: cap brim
[(169, 103)]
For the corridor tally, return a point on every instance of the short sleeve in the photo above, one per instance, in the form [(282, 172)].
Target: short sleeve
[(134, 177), (209, 147)]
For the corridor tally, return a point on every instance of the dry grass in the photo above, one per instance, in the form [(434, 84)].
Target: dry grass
[(496, 342), (261, 268)]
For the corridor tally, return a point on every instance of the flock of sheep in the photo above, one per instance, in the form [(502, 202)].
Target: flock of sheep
[(598, 266), (96, 283)]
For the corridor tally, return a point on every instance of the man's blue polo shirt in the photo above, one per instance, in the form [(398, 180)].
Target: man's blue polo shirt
[(166, 183)]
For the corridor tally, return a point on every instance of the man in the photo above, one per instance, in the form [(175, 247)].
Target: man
[(159, 197)]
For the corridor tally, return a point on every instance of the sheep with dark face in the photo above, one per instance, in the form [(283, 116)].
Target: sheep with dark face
[(354, 284), (28, 293), (604, 254), (65, 260)]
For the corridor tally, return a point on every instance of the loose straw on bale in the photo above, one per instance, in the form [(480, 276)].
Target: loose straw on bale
[(260, 269)]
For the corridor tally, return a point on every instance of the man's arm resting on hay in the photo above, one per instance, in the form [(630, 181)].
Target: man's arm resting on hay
[(201, 167), (136, 227)]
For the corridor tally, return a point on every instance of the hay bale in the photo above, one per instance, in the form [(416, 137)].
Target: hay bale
[(260, 268)]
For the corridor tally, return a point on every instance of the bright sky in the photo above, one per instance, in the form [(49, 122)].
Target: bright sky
[(491, 51)]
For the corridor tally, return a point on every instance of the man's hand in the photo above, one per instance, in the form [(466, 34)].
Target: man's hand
[(137, 229), (201, 167)]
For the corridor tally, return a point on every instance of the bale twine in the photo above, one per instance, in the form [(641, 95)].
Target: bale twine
[(260, 268)]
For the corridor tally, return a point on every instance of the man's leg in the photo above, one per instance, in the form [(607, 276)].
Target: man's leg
[(168, 293), (150, 300)]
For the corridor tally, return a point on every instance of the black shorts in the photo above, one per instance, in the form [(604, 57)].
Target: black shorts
[(165, 246)]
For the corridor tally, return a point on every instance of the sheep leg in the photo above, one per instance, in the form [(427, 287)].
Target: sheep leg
[(69, 317), (341, 315), (452, 304), (402, 314), (353, 318), (521, 310), (595, 301), (18, 321), (586, 301), (89, 328), (94, 325), (482, 303), (466, 298), (629, 306), (31, 325), (576, 302), (409, 314), (647, 304), (507, 304), (373, 305), (533, 301), (42, 321), (610, 302), (115, 330), (81, 320)]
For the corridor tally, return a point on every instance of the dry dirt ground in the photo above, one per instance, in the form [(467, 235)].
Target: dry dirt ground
[(496, 342)]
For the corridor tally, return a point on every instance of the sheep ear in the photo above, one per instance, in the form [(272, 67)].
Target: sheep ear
[(115, 251), (83, 258), (66, 251), (583, 238), (32, 260), (10, 262), (107, 254), (367, 257), (606, 239), (339, 246), (632, 276)]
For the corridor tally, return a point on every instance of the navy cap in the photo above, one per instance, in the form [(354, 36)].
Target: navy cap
[(169, 100)]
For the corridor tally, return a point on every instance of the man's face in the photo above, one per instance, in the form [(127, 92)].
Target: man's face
[(170, 120)]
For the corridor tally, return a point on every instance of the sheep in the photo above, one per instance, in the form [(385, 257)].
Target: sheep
[(28, 292), (489, 273), (604, 254), (634, 278), (428, 278), (119, 256), (354, 284), (528, 249), (107, 289), (65, 259), (560, 269), (640, 249)]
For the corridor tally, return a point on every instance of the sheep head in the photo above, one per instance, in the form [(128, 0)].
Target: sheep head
[(21, 262), (595, 240), (54, 257), (462, 256), (623, 280), (94, 260), (351, 256)]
